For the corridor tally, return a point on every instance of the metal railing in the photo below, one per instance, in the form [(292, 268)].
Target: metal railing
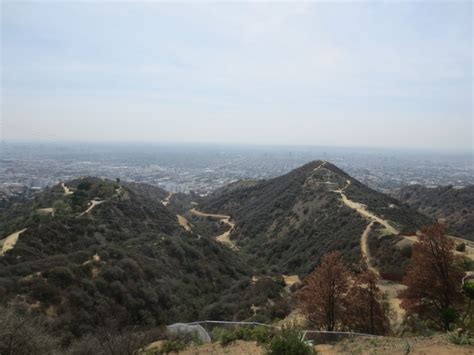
[(318, 336)]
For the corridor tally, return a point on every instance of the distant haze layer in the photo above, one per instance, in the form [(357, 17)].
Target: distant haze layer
[(347, 74)]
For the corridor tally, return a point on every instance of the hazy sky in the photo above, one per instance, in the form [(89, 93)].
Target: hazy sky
[(389, 74)]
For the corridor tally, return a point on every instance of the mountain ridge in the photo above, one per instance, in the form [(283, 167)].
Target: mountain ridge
[(109, 253), (304, 205)]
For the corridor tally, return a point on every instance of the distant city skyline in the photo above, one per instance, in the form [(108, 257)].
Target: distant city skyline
[(363, 74)]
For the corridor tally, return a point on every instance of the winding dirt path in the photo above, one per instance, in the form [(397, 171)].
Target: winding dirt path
[(364, 246), (10, 241), (93, 204), (67, 190), (166, 201), (319, 166), (183, 222), (391, 289), (223, 238), (364, 212)]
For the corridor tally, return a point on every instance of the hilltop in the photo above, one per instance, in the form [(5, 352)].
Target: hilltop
[(290, 221)]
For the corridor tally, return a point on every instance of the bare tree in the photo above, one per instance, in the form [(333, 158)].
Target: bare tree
[(433, 279), (123, 342), (366, 312), (23, 333), (323, 298)]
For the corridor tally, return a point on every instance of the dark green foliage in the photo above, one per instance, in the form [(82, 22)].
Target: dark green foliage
[(286, 223), (236, 302), (149, 271), (60, 276), (468, 264), (172, 346), (128, 262), (291, 221), (260, 334), (181, 203), (404, 218), (454, 205), (130, 341), (468, 289), (458, 337), (449, 316), (387, 255), (289, 342), (22, 333)]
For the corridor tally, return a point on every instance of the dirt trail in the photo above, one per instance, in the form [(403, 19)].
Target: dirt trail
[(314, 170), (391, 289), (67, 190), (469, 251), (212, 215), (10, 241), (166, 201), (364, 246), (46, 211), (224, 237), (319, 166), (469, 244), (364, 212), (290, 280), (92, 205), (183, 222)]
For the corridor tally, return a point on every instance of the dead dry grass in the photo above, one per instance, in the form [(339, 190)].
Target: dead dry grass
[(238, 347)]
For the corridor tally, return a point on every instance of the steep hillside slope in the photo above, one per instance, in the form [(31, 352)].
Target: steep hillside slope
[(454, 205), (292, 220), (95, 253)]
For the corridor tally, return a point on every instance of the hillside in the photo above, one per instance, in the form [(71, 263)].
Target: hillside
[(453, 205), (290, 221), (93, 253)]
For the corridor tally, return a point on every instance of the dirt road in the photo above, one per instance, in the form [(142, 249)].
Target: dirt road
[(92, 205), (364, 246), (391, 289), (224, 237), (183, 222), (166, 201), (67, 190), (10, 241)]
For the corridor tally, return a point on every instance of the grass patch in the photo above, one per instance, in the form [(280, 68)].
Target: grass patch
[(460, 338)]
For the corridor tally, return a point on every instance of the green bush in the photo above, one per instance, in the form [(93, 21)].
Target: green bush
[(468, 289), (468, 264), (263, 335), (449, 316), (226, 337), (170, 346), (460, 338), (60, 276), (260, 334), (289, 342)]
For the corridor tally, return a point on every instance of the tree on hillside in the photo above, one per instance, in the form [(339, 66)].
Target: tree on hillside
[(366, 312), (22, 333), (323, 299), (433, 279)]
